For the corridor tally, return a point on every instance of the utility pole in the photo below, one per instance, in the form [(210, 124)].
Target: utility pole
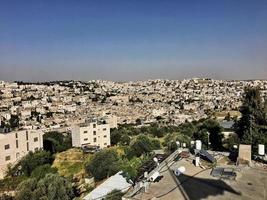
[(208, 139), (250, 129)]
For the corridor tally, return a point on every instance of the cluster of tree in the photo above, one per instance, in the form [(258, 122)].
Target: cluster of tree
[(142, 144), (252, 126), (51, 187), (103, 164), (36, 165), (206, 130), (30, 162), (33, 177), (123, 134), (108, 162)]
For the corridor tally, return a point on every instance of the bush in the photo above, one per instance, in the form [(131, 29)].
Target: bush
[(51, 187), (29, 162), (40, 171), (114, 195), (103, 164)]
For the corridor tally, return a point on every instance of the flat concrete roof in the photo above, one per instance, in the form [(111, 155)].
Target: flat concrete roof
[(197, 183)]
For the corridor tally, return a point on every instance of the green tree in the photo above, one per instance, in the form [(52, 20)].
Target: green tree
[(51, 187), (125, 140), (141, 145), (230, 142), (115, 136), (57, 141), (252, 126), (40, 171), (215, 133), (172, 146), (114, 195), (103, 164), (32, 160)]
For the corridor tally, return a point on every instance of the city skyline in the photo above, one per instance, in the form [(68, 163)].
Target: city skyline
[(132, 40)]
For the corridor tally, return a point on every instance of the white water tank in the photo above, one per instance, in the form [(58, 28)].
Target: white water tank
[(179, 171), (184, 145), (178, 143), (145, 174), (192, 143), (154, 176), (156, 161), (197, 160), (261, 150), (198, 144)]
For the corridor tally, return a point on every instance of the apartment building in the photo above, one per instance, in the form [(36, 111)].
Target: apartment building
[(14, 145), (94, 133)]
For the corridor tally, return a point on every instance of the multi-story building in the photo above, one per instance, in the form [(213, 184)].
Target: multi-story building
[(16, 144), (94, 133)]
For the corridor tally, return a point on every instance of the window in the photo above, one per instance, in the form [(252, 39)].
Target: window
[(17, 155), (105, 144), (7, 146), (8, 158), (16, 135), (94, 132), (36, 149), (104, 129), (94, 125), (85, 139), (105, 136), (94, 139), (27, 136), (35, 139), (85, 131), (17, 144), (27, 146)]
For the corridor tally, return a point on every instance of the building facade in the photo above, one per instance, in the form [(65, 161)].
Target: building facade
[(91, 134), (16, 144)]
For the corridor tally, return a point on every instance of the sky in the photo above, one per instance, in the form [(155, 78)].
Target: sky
[(124, 40)]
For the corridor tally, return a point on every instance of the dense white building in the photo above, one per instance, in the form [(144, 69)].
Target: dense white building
[(14, 145), (93, 133)]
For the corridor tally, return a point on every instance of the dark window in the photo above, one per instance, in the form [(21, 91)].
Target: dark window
[(7, 146), (94, 125), (17, 155), (17, 144), (36, 149), (105, 136), (27, 136), (35, 139), (104, 129), (16, 135), (94, 132), (85, 139), (8, 158), (27, 146), (105, 143), (94, 139), (85, 132)]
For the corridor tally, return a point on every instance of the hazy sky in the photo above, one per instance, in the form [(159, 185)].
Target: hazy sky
[(132, 39)]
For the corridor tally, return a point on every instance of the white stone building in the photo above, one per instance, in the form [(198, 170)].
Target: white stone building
[(91, 134), (14, 145)]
